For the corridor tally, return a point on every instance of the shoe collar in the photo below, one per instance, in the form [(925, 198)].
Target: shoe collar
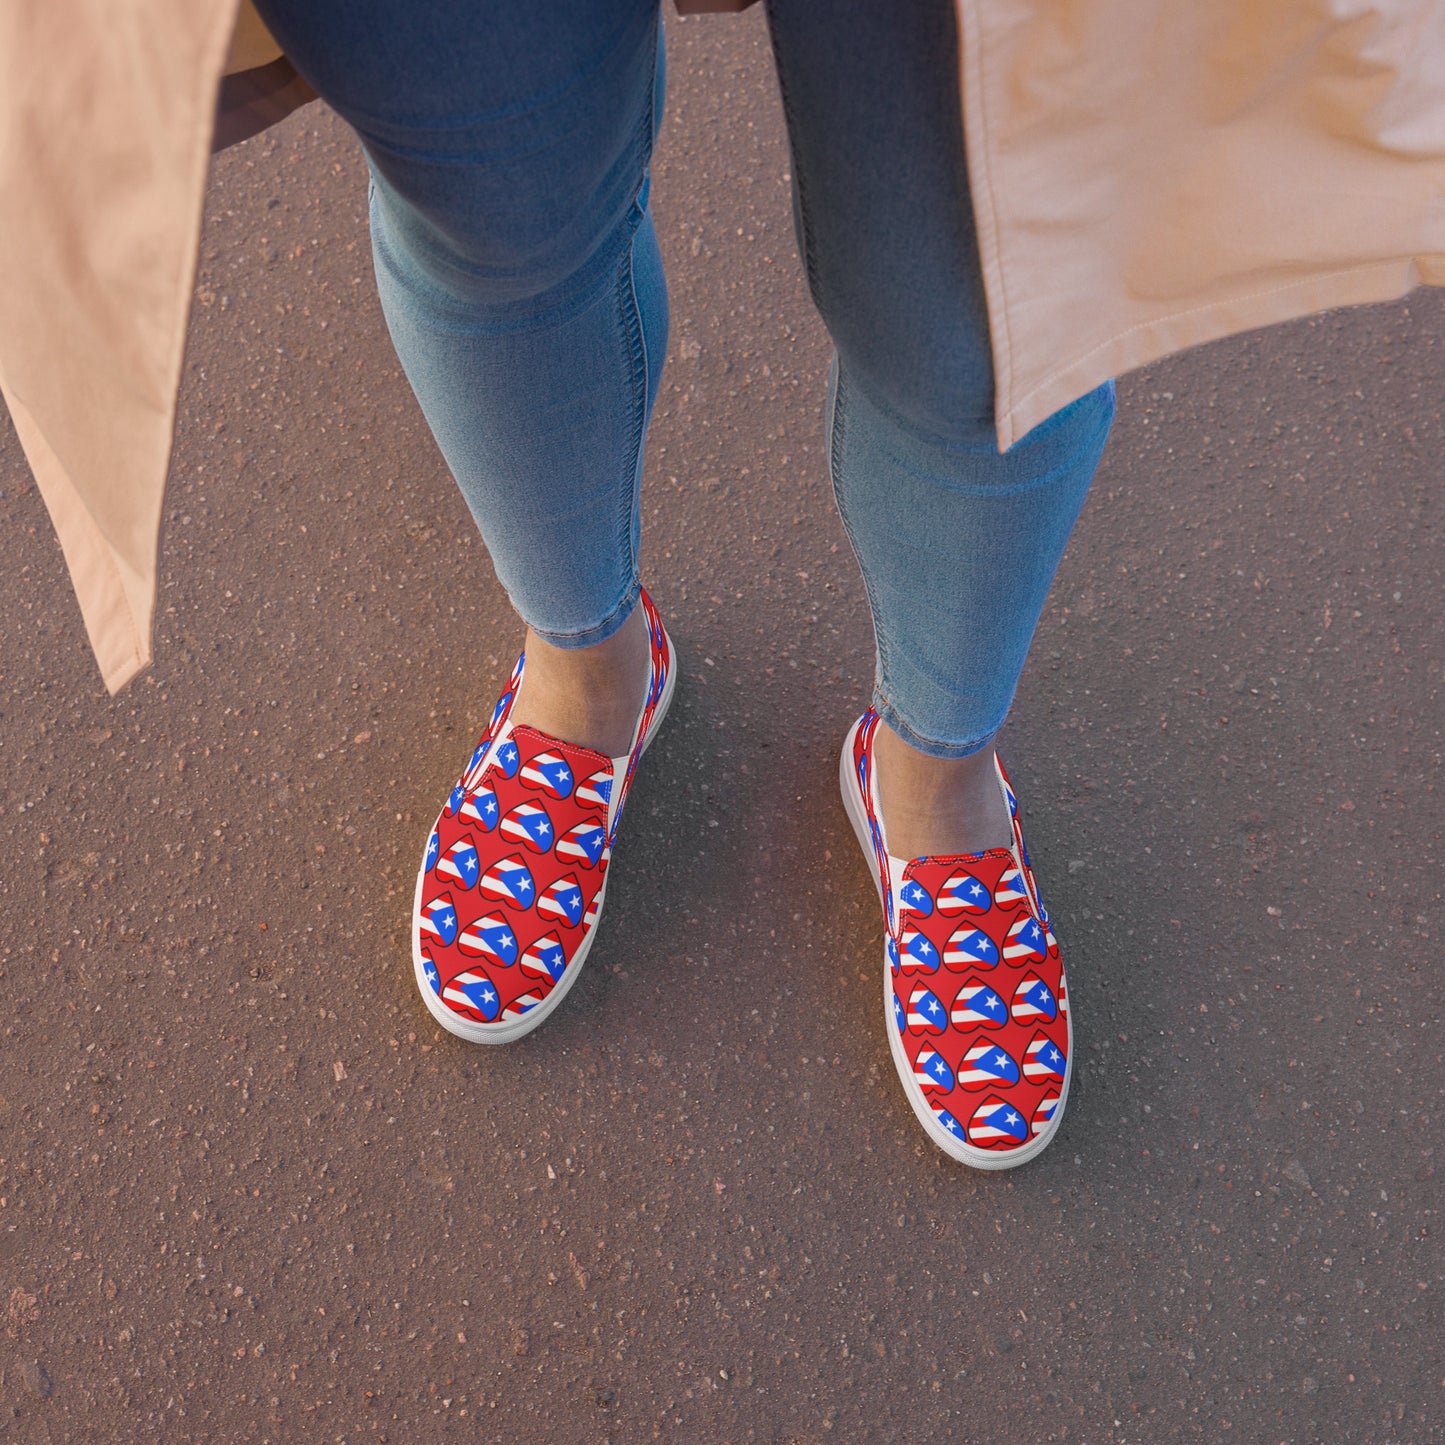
[(622, 766)]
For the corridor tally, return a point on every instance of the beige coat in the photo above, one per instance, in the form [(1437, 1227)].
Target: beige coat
[(1146, 174)]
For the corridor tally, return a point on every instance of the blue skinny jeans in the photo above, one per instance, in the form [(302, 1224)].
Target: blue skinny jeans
[(509, 145)]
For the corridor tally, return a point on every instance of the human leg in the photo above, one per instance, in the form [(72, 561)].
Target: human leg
[(957, 542), (522, 285), (519, 273)]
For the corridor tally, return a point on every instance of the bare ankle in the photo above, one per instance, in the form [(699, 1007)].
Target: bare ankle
[(934, 806), (590, 696)]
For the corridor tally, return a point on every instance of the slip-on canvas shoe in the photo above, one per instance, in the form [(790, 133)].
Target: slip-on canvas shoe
[(973, 983), (510, 890)]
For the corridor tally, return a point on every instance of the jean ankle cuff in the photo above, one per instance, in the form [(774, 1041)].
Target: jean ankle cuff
[(592, 636), (931, 746)]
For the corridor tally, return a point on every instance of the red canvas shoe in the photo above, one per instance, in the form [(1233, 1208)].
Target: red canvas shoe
[(510, 890), (973, 984)]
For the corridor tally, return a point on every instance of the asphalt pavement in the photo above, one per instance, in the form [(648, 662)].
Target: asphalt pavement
[(248, 1191)]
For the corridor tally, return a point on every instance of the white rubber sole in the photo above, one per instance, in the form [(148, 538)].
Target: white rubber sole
[(951, 1145), (517, 1028)]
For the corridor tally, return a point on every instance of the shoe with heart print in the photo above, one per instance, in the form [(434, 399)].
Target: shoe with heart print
[(973, 983), (510, 890)]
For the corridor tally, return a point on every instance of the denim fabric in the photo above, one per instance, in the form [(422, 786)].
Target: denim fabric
[(519, 272), (957, 543), (520, 275)]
